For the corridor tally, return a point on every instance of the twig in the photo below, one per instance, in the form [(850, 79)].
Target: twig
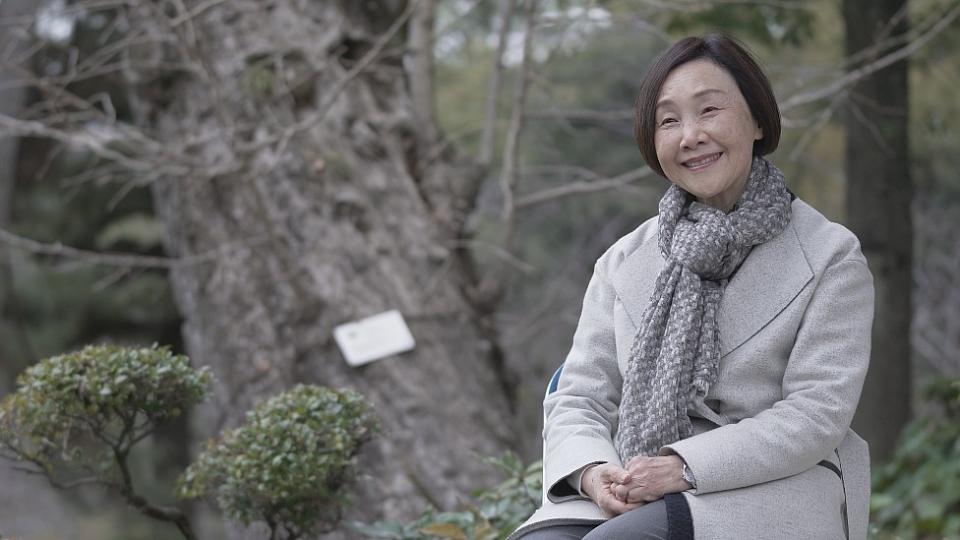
[(815, 128), (500, 252), (508, 172), (196, 11), (161, 513), (80, 8), (15, 126), (338, 88), (64, 485), (119, 259), (577, 188), (421, 67), (694, 6), (862, 72), (505, 15), (584, 114)]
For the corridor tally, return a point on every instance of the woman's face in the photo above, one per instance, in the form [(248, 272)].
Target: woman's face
[(704, 133)]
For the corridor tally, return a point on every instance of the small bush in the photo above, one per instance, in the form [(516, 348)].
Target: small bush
[(289, 464), (104, 397), (500, 510), (917, 494)]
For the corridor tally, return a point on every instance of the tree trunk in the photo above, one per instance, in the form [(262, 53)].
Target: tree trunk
[(878, 211), (324, 223)]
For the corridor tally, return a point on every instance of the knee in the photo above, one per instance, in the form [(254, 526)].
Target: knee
[(558, 532), (649, 522)]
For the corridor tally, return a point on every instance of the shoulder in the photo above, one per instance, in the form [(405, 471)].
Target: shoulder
[(824, 242), (625, 246)]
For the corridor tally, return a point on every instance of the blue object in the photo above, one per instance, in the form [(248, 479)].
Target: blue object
[(554, 381)]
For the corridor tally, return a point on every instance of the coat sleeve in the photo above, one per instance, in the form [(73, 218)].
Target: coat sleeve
[(581, 414), (821, 387)]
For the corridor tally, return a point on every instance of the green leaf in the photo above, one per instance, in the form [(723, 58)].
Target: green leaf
[(445, 530), (140, 230)]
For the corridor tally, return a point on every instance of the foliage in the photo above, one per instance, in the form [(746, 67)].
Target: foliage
[(84, 411), (101, 394), (768, 24), (288, 463), (500, 511), (917, 494)]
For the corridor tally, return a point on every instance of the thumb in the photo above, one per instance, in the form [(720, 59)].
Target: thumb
[(617, 475), (611, 473)]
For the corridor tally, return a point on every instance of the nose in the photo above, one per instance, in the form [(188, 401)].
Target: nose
[(693, 135)]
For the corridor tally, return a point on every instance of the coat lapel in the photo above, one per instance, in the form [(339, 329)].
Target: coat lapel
[(768, 280), (636, 276)]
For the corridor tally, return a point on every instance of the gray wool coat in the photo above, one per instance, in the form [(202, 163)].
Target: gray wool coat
[(795, 324)]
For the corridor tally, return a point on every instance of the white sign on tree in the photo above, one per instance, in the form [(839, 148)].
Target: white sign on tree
[(373, 338)]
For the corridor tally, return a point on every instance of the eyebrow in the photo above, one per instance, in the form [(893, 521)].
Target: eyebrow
[(700, 93)]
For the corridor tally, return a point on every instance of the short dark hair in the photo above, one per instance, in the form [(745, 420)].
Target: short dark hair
[(730, 55)]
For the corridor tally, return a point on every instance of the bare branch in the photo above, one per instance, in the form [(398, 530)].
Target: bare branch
[(86, 481), (490, 288), (161, 513), (85, 139), (196, 11), (421, 71), (864, 71), (815, 128), (701, 5), (338, 88), (499, 252), (584, 114), (120, 259), (508, 172), (578, 188), (72, 9), (505, 15)]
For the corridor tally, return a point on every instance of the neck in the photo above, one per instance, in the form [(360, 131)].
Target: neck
[(725, 201)]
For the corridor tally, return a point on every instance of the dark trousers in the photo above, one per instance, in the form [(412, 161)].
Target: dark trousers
[(666, 519)]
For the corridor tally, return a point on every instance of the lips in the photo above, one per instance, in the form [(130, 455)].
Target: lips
[(701, 162)]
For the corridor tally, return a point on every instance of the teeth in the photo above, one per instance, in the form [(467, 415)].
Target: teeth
[(702, 161)]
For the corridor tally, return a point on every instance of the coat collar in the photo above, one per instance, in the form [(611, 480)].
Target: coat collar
[(772, 275)]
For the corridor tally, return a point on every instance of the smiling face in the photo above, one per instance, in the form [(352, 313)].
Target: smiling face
[(704, 133)]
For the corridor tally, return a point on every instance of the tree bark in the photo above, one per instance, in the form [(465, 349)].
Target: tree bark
[(330, 221), (879, 193)]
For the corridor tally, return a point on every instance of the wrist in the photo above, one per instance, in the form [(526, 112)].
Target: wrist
[(688, 479), (588, 480), (679, 474)]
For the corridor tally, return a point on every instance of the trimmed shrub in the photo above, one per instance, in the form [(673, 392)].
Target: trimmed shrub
[(289, 464)]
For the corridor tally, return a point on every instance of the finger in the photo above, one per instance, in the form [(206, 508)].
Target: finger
[(621, 491), (614, 474), (619, 507), (636, 495)]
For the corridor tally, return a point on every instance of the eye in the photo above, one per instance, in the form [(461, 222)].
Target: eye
[(667, 121), (710, 109)]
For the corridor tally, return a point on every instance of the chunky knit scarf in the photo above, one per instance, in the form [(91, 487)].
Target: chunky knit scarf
[(675, 354)]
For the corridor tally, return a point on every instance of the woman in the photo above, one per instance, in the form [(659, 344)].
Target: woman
[(723, 344)]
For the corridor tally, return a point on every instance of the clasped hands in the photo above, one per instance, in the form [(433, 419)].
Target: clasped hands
[(645, 479)]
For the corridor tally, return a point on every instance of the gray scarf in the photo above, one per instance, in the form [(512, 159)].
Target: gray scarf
[(675, 354)]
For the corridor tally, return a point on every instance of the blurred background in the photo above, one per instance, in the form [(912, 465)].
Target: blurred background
[(235, 178)]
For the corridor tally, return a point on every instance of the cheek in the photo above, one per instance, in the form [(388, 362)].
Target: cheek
[(663, 144)]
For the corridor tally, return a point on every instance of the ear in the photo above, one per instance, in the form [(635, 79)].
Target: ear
[(758, 133)]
